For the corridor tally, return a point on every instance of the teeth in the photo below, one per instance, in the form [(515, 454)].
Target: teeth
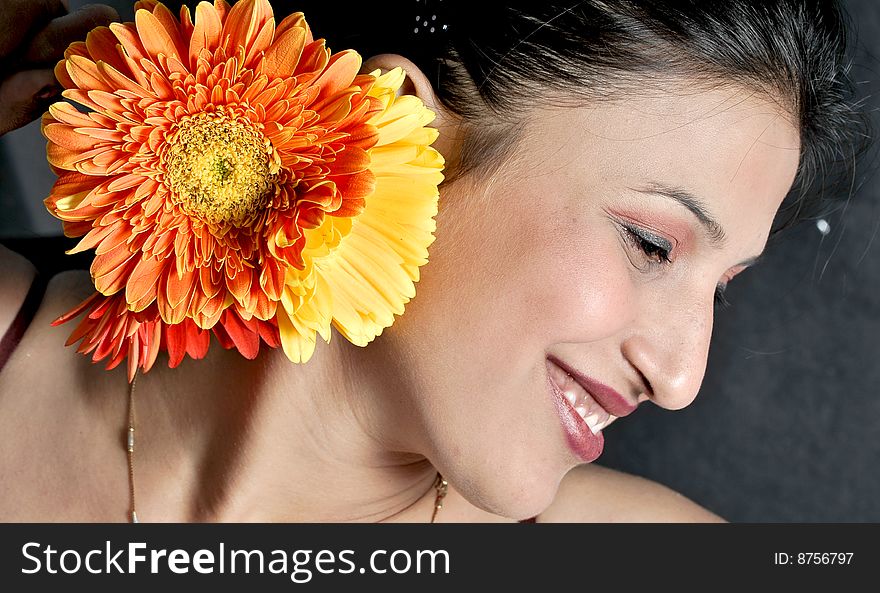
[(592, 421), (593, 414)]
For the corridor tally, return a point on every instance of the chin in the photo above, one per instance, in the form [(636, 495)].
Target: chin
[(509, 489)]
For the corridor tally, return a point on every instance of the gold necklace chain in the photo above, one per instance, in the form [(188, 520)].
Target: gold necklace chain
[(440, 485)]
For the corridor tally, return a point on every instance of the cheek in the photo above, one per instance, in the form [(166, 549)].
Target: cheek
[(518, 282), (559, 277), (582, 285)]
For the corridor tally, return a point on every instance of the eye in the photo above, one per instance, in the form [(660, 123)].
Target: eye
[(656, 249)]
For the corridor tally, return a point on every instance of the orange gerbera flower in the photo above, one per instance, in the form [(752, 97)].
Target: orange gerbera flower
[(219, 175)]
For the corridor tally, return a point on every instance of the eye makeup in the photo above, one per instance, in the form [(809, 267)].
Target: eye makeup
[(657, 250)]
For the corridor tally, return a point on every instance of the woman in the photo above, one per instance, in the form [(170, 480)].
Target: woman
[(611, 166)]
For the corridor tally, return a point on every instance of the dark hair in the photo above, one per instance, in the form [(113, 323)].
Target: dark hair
[(496, 59)]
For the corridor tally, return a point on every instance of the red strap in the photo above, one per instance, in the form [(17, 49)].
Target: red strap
[(22, 319)]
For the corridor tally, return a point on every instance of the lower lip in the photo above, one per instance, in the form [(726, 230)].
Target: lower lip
[(581, 440)]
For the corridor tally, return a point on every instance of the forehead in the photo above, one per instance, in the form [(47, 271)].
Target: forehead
[(736, 149)]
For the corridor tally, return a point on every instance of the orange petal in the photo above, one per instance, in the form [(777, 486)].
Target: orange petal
[(81, 97), (186, 22), (146, 5), (262, 307), (161, 87), (244, 21), (169, 23), (76, 48), (64, 135), (335, 108), (107, 102), (260, 43), (119, 233), (124, 182), (222, 8), (208, 311), (68, 114), (339, 74), (350, 207), (102, 46), (175, 342), (272, 279), (294, 20), (71, 182), (240, 284), (66, 158), (114, 77), (206, 34), (141, 286), (152, 345), (127, 35), (85, 75), (93, 238), (209, 281), (74, 229), (133, 356), (78, 310), (359, 185), (351, 160), (110, 270), (154, 37), (197, 341), (62, 76), (313, 60), (284, 53), (233, 331), (179, 287)]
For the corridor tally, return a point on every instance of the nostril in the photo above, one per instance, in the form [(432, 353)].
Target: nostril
[(647, 389)]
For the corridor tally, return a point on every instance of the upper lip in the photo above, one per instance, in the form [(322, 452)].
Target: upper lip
[(613, 402)]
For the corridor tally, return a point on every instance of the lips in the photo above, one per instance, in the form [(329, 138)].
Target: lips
[(585, 406), (582, 440), (595, 416), (610, 400)]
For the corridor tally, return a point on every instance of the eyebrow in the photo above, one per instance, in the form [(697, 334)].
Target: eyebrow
[(714, 231)]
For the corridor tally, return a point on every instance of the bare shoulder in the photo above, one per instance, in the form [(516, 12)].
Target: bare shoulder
[(53, 418), (18, 273), (595, 494)]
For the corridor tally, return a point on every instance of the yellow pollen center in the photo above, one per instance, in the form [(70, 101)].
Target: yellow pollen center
[(218, 169)]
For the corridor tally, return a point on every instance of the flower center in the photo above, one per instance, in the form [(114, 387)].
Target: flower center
[(218, 169)]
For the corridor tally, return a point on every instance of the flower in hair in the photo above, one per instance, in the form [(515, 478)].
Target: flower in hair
[(236, 179)]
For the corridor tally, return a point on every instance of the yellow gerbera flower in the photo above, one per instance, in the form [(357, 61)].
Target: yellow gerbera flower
[(360, 271)]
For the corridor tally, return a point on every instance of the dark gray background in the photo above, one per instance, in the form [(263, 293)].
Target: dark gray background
[(786, 424)]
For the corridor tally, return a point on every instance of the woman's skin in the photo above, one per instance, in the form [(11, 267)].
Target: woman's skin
[(529, 262)]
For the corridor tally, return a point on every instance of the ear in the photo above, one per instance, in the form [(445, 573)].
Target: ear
[(416, 83)]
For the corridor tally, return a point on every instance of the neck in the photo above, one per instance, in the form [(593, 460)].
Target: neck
[(226, 439)]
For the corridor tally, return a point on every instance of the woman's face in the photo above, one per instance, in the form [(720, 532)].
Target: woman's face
[(560, 255)]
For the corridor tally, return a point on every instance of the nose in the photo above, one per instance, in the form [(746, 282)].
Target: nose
[(670, 346)]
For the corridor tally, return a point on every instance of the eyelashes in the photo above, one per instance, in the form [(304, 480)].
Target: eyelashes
[(657, 251), (655, 248)]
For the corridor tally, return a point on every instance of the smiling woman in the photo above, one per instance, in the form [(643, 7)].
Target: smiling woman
[(610, 168)]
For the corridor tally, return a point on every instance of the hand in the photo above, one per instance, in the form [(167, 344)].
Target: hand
[(33, 37)]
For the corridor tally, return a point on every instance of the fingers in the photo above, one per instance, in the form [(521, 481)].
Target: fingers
[(19, 19), (24, 95), (47, 46), (34, 34)]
